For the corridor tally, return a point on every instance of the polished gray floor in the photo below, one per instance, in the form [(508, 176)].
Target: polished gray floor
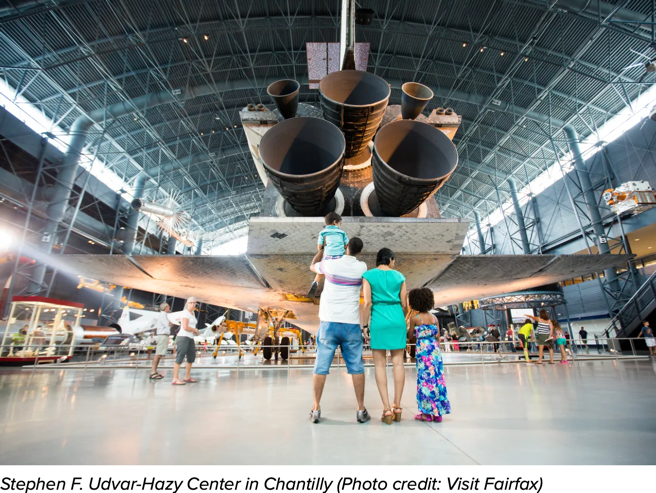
[(596, 412)]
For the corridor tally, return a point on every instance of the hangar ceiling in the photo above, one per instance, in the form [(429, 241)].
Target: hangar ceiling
[(566, 59)]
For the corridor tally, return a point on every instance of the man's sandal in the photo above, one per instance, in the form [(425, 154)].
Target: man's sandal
[(387, 418), (156, 376)]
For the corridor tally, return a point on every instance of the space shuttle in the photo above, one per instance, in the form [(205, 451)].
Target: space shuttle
[(378, 166)]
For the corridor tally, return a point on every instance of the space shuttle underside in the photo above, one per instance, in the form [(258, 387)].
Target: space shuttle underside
[(355, 155)]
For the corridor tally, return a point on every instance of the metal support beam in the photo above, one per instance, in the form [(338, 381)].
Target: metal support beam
[(520, 216), (481, 238), (133, 216)]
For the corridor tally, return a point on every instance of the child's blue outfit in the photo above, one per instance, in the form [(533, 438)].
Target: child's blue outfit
[(334, 241)]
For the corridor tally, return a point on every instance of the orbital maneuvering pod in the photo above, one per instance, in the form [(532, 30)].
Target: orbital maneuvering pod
[(285, 96)]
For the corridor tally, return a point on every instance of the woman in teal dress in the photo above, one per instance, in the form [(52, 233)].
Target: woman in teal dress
[(385, 305)]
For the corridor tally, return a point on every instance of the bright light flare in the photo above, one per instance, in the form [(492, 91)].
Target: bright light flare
[(8, 240)]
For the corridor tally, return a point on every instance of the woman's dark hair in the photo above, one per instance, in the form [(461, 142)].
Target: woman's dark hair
[(543, 314), (421, 299), (384, 257), (528, 321)]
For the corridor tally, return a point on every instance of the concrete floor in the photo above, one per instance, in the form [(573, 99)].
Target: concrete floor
[(596, 412)]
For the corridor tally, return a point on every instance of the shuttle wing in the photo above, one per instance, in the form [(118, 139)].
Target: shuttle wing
[(275, 271)]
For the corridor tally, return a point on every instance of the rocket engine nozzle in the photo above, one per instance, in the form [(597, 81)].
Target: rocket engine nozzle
[(411, 161), (355, 102), (304, 158)]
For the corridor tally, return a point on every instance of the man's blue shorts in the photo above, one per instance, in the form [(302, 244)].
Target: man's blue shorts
[(348, 337)]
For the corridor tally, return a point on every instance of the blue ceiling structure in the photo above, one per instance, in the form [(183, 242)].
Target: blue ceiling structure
[(491, 61)]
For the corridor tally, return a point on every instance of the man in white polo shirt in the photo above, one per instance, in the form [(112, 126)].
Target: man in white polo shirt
[(163, 332), (339, 312)]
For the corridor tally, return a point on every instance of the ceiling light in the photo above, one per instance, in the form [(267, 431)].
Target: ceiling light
[(482, 49), (184, 40), (464, 44), (637, 239), (206, 37), (91, 242), (502, 53), (91, 310), (526, 59)]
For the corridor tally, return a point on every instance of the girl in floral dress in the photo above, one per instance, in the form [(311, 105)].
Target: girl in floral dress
[(431, 389)]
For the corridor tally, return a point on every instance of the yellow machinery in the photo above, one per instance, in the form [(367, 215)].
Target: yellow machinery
[(269, 333), (236, 328)]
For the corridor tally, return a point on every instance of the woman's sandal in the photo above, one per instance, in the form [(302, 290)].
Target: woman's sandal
[(387, 418), (396, 411), (424, 417), (177, 382), (190, 380), (156, 376)]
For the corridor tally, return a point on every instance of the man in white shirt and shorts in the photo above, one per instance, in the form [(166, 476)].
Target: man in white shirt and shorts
[(163, 331), (339, 312)]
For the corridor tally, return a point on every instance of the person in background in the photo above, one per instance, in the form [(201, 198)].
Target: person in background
[(525, 335), (454, 344), (163, 330), (510, 338), (583, 335), (150, 344), (385, 300), (493, 337), (38, 337), (185, 343), (648, 334), (561, 341), (545, 335), (432, 398)]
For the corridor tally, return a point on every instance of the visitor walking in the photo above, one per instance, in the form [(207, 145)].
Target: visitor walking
[(545, 335), (525, 333), (583, 335), (561, 341), (432, 399), (186, 344), (385, 304), (648, 334)]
